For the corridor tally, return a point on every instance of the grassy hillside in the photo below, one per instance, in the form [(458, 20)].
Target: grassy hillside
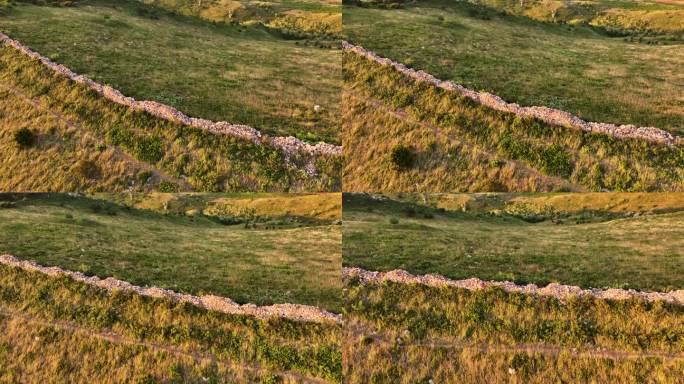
[(58, 328), (248, 257), (81, 141), (219, 71), (525, 239), (416, 334), (293, 18), (409, 136), (649, 21), (322, 208), (573, 68)]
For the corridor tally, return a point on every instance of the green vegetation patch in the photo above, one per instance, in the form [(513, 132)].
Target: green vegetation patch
[(568, 67), (413, 333), (279, 345), (461, 145), (218, 71), (250, 259), (591, 248)]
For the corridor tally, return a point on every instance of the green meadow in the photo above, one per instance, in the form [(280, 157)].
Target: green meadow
[(522, 241)]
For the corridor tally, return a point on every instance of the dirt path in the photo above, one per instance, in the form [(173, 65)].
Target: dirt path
[(530, 348), (114, 338), (454, 141), (157, 173)]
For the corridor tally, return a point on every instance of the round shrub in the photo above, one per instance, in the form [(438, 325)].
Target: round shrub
[(394, 220), (402, 157), (24, 137)]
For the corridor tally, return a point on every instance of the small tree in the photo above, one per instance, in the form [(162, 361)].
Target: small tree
[(402, 157), (24, 138)]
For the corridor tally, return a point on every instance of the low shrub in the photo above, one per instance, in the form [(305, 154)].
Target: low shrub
[(24, 137), (402, 157)]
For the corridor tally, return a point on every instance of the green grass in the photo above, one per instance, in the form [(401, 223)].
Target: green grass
[(218, 71), (525, 243), (572, 68), (413, 334), (257, 259), (462, 146), (73, 125), (53, 327)]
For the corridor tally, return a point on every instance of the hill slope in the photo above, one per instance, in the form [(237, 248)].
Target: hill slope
[(572, 68), (82, 141), (204, 69), (249, 257), (525, 239), (410, 135)]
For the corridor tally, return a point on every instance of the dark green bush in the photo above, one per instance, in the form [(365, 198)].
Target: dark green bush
[(402, 157), (24, 137), (167, 186)]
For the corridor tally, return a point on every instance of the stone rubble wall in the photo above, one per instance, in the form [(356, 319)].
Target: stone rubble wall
[(545, 114), (559, 291), (290, 145), (296, 312)]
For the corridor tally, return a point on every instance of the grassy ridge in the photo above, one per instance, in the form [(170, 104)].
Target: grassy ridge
[(647, 21), (571, 68), (325, 207), (294, 18), (411, 333), (249, 258), (72, 123), (201, 68), (458, 145), (521, 242), (277, 345)]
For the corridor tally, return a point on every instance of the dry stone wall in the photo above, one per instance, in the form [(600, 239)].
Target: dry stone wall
[(559, 291), (290, 145), (545, 114), (296, 312)]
